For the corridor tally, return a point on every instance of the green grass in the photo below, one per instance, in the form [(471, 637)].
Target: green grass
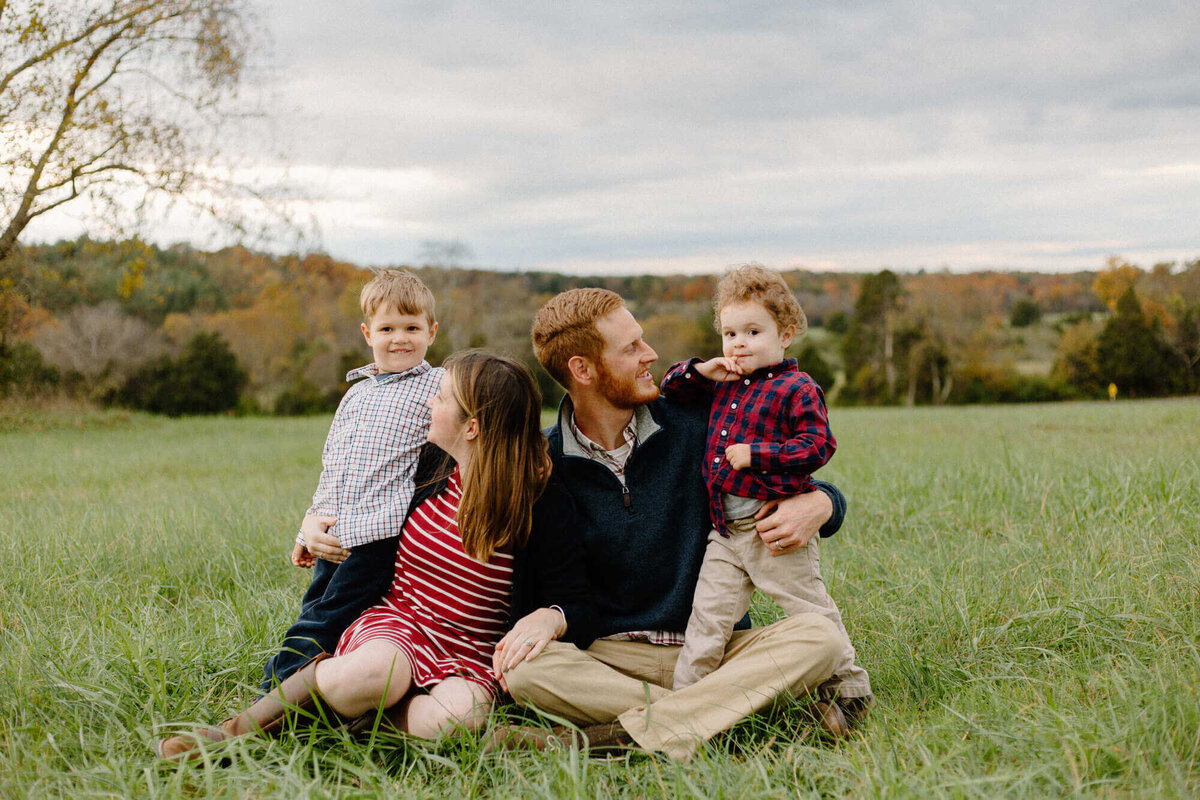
[(1023, 584)]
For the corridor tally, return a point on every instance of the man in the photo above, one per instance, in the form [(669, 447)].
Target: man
[(630, 462)]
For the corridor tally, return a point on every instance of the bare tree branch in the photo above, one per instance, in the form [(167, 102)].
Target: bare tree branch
[(68, 113), (80, 167), (116, 67), (38, 58), (99, 93)]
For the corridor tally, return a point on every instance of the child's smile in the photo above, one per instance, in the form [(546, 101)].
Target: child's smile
[(398, 341)]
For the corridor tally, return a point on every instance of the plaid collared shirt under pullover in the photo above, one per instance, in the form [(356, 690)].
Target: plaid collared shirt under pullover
[(778, 410), (371, 452)]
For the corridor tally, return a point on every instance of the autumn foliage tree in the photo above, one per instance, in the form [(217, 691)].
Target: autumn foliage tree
[(116, 101), (1077, 362), (1132, 354), (205, 379), (869, 345), (1117, 277)]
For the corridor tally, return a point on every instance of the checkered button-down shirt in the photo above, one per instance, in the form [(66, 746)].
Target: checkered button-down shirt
[(615, 460), (778, 410), (371, 452)]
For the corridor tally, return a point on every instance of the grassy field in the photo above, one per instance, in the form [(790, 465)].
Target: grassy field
[(1023, 584)]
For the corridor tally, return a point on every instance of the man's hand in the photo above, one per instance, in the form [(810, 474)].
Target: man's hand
[(319, 541), (527, 639), (787, 524), (738, 456), (719, 369), (301, 557)]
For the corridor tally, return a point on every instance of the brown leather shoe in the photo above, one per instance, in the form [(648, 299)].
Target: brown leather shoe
[(187, 745), (607, 738), (528, 737), (831, 720), (296, 695), (602, 739), (856, 709)]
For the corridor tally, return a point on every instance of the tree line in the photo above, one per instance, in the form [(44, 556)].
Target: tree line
[(1140, 338), (170, 329)]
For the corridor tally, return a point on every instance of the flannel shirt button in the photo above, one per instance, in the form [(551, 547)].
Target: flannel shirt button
[(717, 460), (770, 374), (724, 433), (747, 381), (764, 472), (733, 405)]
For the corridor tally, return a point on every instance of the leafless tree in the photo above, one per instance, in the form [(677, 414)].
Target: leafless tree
[(93, 340)]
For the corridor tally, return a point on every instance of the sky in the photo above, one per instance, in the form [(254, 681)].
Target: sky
[(665, 137)]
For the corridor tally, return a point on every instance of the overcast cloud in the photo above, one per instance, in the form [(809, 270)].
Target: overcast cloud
[(685, 136)]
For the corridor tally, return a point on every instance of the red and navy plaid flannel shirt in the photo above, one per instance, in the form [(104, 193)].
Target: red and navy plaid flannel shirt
[(778, 410)]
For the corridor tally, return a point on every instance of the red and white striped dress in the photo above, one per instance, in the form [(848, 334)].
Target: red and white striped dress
[(445, 610)]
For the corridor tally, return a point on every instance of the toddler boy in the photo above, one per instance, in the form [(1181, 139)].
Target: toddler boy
[(367, 469), (768, 430)]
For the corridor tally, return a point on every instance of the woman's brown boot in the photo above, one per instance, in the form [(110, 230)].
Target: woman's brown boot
[(296, 695)]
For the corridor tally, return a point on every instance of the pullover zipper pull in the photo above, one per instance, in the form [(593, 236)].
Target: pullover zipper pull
[(625, 498)]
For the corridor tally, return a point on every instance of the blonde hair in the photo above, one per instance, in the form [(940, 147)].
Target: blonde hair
[(565, 327), (754, 282), (510, 463), (398, 289)]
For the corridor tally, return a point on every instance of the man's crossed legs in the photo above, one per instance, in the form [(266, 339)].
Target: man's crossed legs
[(630, 682)]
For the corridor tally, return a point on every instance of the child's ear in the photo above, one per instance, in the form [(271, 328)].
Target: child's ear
[(366, 332), (432, 332), (785, 338)]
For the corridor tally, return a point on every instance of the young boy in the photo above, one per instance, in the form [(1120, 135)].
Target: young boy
[(367, 469), (768, 430)]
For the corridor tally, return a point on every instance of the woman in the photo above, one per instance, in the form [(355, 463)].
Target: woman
[(466, 565)]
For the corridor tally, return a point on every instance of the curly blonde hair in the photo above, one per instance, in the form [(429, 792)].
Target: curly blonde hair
[(761, 285)]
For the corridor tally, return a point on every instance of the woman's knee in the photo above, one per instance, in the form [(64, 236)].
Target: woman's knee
[(469, 716), (381, 671), (454, 705)]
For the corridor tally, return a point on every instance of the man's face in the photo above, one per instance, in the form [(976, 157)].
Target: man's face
[(623, 370)]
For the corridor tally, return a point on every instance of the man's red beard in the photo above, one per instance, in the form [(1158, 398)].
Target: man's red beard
[(622, 393)]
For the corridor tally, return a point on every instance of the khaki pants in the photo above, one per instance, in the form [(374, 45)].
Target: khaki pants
[(733, 566), (631, 682)]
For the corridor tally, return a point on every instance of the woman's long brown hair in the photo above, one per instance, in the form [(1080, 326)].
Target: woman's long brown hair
[(510, 462)]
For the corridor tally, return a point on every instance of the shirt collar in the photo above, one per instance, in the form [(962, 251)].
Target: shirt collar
[(371, 370), (643, 425), (778, 368), (628, 437)]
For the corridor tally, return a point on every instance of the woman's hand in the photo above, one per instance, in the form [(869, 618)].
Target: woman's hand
[(527, 639)]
